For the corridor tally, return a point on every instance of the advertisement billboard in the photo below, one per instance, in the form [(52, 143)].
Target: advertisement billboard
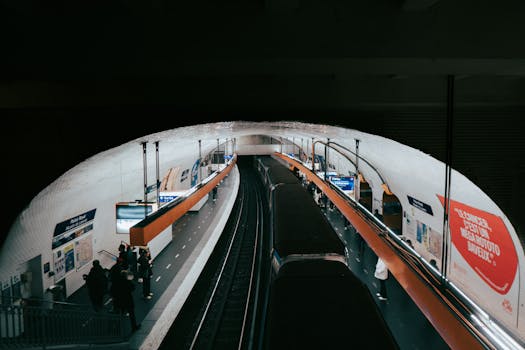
[(483, 259)]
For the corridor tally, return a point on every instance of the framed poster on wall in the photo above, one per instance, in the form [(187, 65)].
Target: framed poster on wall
[(84, 251), (59, 264), (69, 257)]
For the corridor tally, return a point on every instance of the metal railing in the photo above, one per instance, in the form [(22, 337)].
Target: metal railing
[(57, 324), (113, 256)]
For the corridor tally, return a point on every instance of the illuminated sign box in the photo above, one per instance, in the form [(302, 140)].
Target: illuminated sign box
[(131, 213), (166, 197), (345, 183)]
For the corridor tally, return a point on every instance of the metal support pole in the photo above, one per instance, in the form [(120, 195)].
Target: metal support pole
[(325, 165), (357, 185), (200, 162), (326, 156), (313, 155), (158, 171), (217, 153), (281, 139), (302, 149), (145, 165), (307, 148), (293, 145), (448, 174)]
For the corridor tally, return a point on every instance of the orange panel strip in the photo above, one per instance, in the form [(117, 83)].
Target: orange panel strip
[(451, 329), (140, 236)]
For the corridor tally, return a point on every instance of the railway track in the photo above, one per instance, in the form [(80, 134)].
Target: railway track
[(227, 316)]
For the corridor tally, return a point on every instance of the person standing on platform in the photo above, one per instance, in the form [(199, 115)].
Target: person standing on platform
[(214, 194), (310, 186), (381, 273), (97, 284), (360, 245), (346, 222), (114, 276), (122, 254), (124, 289), (131, 256), (145, 272), (317, 196), (378, 216)]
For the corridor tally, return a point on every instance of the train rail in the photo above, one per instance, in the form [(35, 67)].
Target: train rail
[(226, 319)]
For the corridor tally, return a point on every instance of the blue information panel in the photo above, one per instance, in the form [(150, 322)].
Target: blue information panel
[(345, 183), (166, 199)]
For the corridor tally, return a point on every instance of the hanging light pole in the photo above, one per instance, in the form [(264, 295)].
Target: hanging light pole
[(217, 154), (158, 172), (313, 155), (325, 159), (302, 148), (145, 165), (307, 148), (448, 177), (200, 161), (357, 185)]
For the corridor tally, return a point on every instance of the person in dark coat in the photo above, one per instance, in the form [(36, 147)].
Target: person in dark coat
[(214, 193), (114, 276), (145, 272), (132, 260), (378, 216), (123, 254), (124, 290), (97, 284), (346, 222)]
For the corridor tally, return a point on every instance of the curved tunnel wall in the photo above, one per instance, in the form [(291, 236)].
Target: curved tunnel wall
[(415, 178)]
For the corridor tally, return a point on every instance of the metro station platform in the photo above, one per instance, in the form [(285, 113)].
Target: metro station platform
[(176, 268)]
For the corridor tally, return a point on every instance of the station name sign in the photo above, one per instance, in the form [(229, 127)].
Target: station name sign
[(420, 205), (74, 222)]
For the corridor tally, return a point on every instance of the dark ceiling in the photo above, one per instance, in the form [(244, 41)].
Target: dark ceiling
[(80, 76)]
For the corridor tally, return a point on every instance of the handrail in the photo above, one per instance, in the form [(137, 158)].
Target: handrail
[(105, 251), (45, 301)]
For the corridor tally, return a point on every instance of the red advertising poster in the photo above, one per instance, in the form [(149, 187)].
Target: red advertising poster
[(484, 242)]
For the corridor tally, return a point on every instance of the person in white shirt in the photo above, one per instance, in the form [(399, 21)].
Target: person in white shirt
[(381, 273)]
